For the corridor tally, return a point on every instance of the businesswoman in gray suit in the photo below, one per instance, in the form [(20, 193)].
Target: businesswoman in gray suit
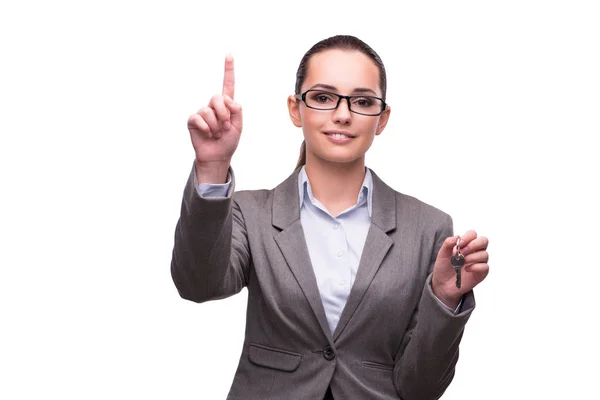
[(351, 290)]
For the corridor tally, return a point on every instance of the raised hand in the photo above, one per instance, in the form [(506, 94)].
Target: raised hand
[(475, 269), (215, 131)]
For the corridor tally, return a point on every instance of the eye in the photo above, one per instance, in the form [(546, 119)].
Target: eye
[(321, 97), (363, 101)]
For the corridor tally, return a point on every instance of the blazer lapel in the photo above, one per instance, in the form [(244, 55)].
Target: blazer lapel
[(377, 245), (292, 243)]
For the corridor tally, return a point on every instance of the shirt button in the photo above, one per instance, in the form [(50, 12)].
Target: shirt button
[(342, 282), (336, 226), (340, 253)]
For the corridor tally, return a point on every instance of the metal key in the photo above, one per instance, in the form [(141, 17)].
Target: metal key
[(457, 261)]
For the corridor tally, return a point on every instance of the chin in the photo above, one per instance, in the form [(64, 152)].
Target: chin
[(340, 158)]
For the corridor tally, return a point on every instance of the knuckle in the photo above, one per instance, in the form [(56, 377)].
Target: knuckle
[(223, 113), (209, 115), (195, 120)]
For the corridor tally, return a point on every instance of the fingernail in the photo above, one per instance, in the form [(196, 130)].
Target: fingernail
[(226, 125)]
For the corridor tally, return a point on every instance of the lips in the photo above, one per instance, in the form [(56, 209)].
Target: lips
[(340, 134)]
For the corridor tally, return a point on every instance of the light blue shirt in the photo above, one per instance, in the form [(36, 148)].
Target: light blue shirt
[(335, 243)]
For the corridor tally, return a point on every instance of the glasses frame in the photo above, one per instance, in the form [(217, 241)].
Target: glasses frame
[(340, 98)]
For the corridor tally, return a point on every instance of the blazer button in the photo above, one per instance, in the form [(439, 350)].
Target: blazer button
[(328, 353)]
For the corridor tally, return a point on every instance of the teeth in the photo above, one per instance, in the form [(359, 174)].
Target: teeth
[(339, 136)]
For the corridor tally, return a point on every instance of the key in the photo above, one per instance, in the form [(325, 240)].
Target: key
[(457, 261)]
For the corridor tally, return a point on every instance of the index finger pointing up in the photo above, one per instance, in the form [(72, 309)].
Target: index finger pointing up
[(229, 77)]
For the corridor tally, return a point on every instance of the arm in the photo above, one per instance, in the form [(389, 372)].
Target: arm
[(427, 357), (211, 256)]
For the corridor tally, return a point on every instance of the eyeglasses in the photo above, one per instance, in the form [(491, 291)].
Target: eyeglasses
[(323, 100)]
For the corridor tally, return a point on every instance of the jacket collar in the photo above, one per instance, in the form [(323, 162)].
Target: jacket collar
[(286, 207)]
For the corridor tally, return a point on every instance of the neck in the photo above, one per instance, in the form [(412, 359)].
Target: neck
[(335, 185)]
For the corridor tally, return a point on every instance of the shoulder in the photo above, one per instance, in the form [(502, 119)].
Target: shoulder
[(427, 215), (410, 207), (284, 195), (420, 205), (253, 196)]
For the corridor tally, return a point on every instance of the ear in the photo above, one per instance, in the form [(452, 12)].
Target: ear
[(294, 109), (383, 120)]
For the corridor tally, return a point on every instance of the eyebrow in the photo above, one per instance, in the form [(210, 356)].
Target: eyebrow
[(356, 90)]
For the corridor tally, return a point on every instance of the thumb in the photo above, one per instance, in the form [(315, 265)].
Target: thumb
[(447, 249), (235, 110)]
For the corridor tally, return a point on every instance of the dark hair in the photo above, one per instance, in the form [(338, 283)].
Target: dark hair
[(341, 42)]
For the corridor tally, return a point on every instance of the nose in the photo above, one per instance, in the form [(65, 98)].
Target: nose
[(342, 114)]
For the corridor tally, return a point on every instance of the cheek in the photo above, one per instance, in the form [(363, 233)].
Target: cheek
[(368, 125), (313, 121)]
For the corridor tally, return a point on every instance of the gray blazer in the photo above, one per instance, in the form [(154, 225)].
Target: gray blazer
[(394, 339)]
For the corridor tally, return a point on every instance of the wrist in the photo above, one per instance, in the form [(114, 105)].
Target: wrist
[(212, 172), (450, 300)]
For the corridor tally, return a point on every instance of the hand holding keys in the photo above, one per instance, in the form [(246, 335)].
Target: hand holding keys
[(461, 264)]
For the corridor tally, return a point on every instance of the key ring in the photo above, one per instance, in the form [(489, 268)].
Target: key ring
[(458, 245)]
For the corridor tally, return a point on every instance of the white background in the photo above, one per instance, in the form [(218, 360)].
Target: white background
[(495, 120)]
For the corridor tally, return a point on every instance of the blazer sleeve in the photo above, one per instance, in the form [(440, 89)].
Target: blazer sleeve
[(211, 255), (426, 361)]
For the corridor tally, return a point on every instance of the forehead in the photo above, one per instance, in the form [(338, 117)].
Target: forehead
[(346, 70)]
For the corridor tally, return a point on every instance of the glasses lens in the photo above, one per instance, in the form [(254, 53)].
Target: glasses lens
[(366, 105), (321, 100)]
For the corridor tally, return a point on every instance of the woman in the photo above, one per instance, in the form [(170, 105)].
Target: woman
[(351, 291)]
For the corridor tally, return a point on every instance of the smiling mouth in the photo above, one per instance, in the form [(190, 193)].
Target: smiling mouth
[(338, 135)]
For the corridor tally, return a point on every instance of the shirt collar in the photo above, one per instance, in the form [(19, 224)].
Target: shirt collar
[(304, 189)]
